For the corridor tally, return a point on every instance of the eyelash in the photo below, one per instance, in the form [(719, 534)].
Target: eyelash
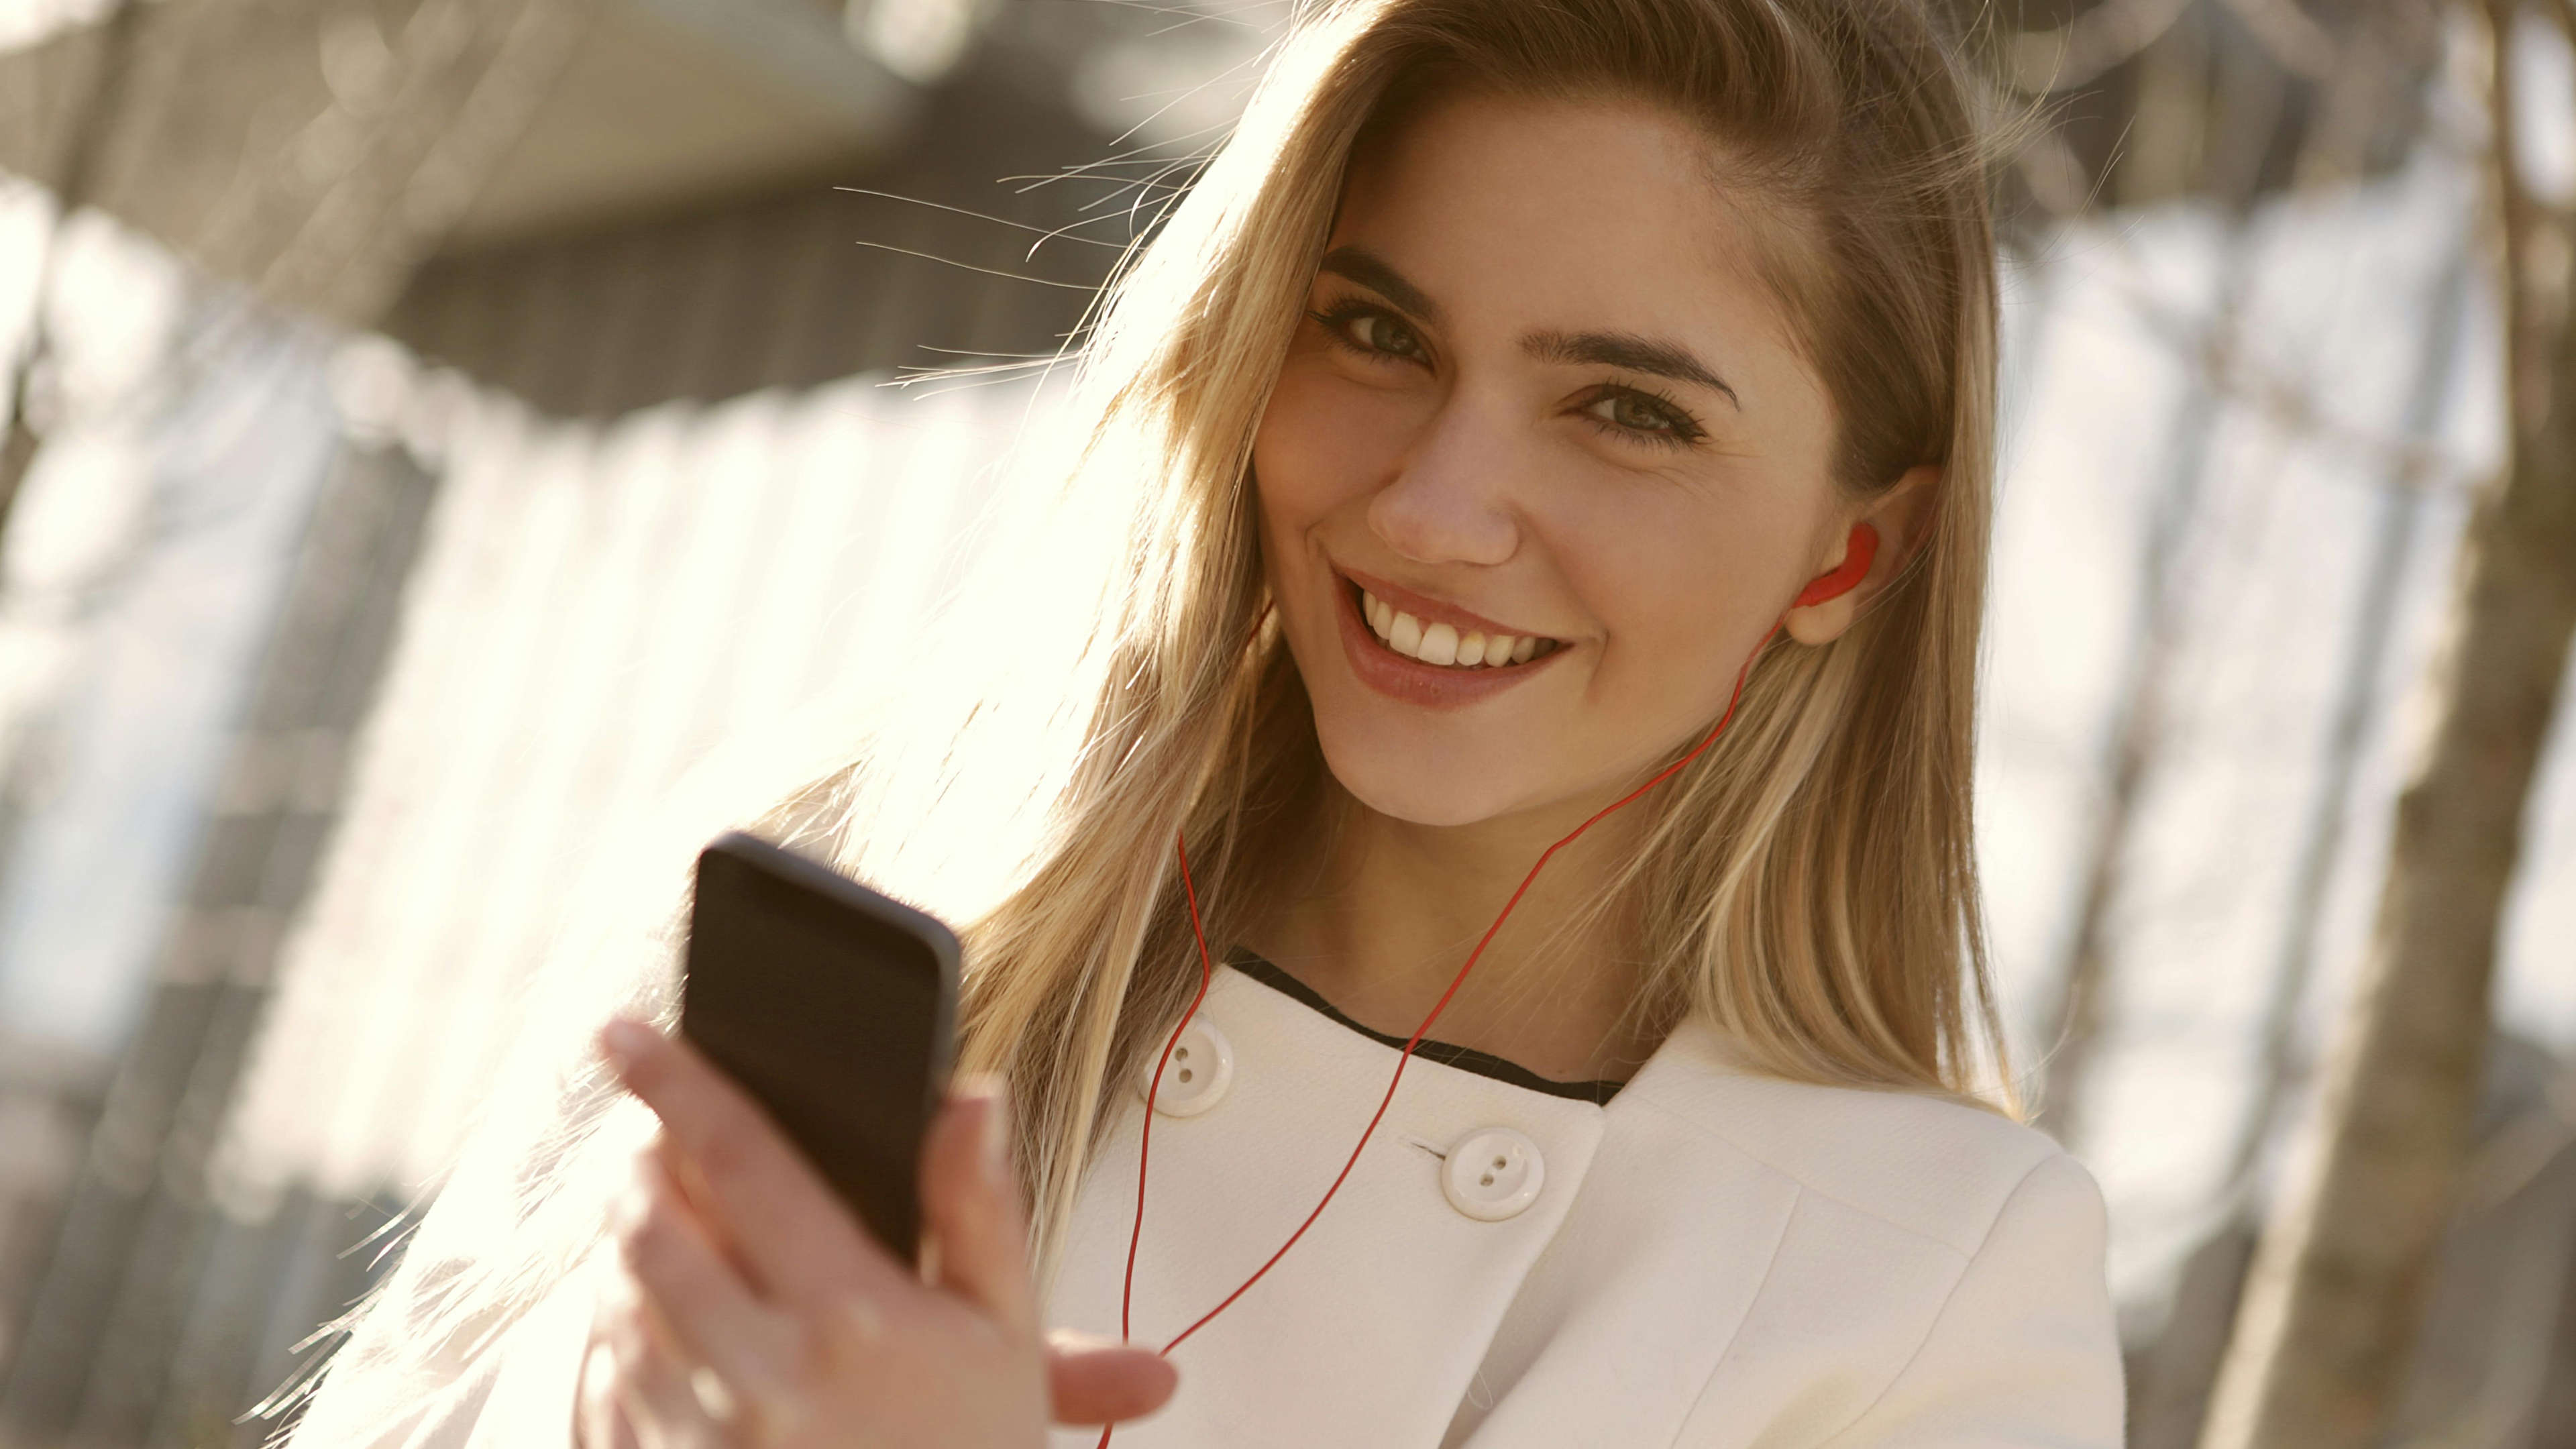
[(1681, 431), (1337, 319)]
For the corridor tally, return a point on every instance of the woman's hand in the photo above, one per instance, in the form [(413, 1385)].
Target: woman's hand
[(750, 1307)]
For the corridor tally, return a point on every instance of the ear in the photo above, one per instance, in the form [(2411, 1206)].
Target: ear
[(1897, 516)]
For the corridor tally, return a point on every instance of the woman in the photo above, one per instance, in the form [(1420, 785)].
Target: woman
[(1547, 404)]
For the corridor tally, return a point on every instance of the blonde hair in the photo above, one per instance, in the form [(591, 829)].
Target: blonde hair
[(1808, 886)]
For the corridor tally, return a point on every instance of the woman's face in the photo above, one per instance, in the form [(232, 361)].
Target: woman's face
[(1543, 465)]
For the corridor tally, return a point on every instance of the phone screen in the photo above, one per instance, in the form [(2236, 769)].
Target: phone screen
[(834, 1006)]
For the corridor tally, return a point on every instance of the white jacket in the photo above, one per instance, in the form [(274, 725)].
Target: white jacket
[(1714, 1258)]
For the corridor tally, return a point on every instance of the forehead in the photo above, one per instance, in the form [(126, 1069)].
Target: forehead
[(1571, 213)]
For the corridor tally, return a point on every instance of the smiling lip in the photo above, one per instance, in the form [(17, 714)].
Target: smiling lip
[(1430, 610), (1412, 681)]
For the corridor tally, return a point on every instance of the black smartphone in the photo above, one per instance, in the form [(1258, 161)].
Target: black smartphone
[(836, 1007)]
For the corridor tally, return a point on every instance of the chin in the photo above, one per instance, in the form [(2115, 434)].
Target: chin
[(1395, 784)]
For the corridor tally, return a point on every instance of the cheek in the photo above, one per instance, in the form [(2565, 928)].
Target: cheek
[(1656, 589), (1683, 590), (1326, 442)]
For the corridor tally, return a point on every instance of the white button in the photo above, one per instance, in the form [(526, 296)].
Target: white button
[(1195, 1079), (1492, 1174)]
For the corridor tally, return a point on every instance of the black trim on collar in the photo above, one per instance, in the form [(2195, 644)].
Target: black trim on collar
[(1465, 1059)]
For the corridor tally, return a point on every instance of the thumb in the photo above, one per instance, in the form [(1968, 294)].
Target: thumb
[(1094, 1381), (970, 1205)]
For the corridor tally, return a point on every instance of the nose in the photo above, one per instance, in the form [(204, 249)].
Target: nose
[(1451, 499)]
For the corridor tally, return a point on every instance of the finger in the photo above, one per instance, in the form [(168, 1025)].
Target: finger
[(652, 1388), (695, 1193), (710, 1311), (1092, 1381), (602, 1420), (971, 1205), (801, 1244)]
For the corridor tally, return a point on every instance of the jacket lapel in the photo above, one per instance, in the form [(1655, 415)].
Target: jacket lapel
[(1371, 1329), (1652, 1275)]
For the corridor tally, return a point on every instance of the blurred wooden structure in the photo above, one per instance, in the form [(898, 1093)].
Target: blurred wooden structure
[(322, 149), (150, 1285)]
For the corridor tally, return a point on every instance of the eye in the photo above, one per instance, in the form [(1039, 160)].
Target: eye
[(1633, 413), (1372, 332)]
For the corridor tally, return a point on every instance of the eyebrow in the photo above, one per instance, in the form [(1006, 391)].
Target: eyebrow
[(1370, 270), (1630, 351)]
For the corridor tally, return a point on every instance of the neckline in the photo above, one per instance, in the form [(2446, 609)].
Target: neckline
[(1598, 1091)]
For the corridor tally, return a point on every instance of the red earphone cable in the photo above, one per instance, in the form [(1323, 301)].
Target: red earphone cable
[(1207, 970), (1145, 1141), (1860, 554)]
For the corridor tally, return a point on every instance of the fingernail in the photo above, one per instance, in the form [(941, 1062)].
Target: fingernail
[(622, 1041), (713, 1395), (863, 1319), (996, 1145)]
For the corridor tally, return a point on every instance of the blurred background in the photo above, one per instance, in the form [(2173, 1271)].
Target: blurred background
[(434, 424)]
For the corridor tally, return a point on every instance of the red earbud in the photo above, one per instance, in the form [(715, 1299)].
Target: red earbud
[(1846, 576)]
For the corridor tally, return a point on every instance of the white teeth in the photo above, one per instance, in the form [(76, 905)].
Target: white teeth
[(1438, 643), (1405, 634)]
